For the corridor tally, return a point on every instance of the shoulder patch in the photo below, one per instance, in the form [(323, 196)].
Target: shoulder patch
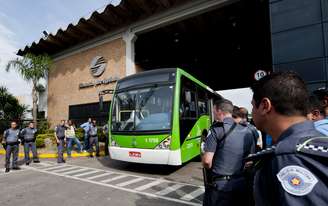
[(297, 180)]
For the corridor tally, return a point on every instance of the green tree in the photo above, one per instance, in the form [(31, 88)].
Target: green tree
[(10, 109), (32, 68)]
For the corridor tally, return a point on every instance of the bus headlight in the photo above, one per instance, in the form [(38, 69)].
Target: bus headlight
[(164, 144)]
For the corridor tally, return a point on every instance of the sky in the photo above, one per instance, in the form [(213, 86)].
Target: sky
[(22, 22)]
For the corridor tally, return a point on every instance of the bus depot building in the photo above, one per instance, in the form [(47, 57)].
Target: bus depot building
[(223, 43)]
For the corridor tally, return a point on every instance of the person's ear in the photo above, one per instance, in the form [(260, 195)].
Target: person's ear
[(315, 114), (265, 106)]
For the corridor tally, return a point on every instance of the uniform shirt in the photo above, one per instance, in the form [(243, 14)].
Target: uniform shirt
[(287, 176), (28, 133), (11, 135), (60, 131), (229, 154)]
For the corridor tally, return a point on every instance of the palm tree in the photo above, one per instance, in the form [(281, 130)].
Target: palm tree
[(32, 68)]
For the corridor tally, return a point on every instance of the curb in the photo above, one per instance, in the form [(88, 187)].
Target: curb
[(54, 155)]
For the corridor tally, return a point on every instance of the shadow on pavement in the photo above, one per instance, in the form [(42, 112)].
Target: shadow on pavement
[(142, 168)]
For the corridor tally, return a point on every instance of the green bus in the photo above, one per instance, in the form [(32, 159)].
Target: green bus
[(159, 117)]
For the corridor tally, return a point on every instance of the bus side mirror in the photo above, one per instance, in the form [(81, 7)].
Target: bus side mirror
[(101, 103)]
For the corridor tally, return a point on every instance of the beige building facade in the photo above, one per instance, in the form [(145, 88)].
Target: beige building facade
[(69, 74)]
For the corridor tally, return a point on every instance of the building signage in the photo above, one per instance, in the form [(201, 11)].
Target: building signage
[(259, 74), (98, 82), (98, 66)]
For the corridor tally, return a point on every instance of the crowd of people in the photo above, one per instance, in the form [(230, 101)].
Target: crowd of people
[(65, 135), (293, 171)]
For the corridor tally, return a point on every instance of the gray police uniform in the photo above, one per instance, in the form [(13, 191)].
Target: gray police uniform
[(295, 170), (93, 139), (228, 181), (11, 137), (60, 133), (29, 138)]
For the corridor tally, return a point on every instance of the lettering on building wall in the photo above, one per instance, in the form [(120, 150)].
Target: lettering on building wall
[(98, 82)]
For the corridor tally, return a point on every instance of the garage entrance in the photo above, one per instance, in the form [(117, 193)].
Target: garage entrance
[(222, 47)]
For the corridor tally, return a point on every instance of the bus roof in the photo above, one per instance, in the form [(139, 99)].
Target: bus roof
[(156, 76)]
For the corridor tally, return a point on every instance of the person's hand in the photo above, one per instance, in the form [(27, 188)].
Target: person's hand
[(248, 165)]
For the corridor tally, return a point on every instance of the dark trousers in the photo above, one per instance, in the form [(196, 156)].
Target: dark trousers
[(60, 147), (106, 145), (226, 193), (27, 147), (93, 141), (86, 142), (11, 149)]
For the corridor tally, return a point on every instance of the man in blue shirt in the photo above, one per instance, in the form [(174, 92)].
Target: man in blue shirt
[(86, 127)]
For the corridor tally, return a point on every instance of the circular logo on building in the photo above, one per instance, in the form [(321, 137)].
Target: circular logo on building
[(98, 66)]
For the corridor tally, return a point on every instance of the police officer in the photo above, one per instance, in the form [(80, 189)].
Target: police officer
[(226, 145), (11, 139), (294, 171), (60, 138), (29, 136)]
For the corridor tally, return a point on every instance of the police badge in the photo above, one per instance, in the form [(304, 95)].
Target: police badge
[(297, 180)]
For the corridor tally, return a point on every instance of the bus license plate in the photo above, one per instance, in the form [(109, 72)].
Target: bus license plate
[(135, 154)]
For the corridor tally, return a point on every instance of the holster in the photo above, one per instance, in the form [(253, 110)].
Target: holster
[(208, 178)]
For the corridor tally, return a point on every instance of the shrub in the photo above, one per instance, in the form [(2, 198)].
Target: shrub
[(79, 133), (40, 143), (40, 139), (43, 126)]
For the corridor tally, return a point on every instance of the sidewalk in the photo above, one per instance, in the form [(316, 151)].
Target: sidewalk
[(45, 154)]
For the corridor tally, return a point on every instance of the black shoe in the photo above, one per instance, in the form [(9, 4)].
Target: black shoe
[(63, 161), (97, 155), (7, 170), (36, 161), (27, 163), (91, 156), (16, 168)]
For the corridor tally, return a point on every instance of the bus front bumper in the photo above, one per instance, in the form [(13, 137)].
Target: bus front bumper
[(146, 156)]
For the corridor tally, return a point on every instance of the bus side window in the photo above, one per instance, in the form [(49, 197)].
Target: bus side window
[(188, 104), (202, 102)]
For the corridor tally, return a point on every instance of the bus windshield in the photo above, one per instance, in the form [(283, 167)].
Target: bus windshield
[(146, 109)]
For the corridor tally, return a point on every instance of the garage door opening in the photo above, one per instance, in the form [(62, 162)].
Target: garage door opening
[(223, 47)]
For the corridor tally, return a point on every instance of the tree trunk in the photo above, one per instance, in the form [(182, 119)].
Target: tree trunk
[(35, 104)]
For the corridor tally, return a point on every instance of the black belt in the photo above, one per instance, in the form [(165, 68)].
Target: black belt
[(29, 140), (93, 135), (61, 138), (12, 143)]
